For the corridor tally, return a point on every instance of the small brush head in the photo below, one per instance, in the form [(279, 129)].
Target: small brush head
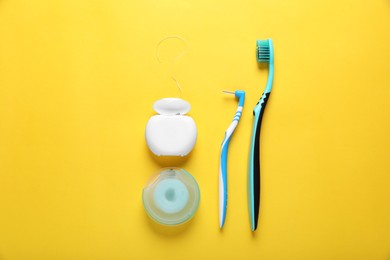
[(264, 51), (239, 94)]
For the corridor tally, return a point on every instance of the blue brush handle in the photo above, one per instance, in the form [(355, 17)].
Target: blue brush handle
[(223, 194), (223, 169)]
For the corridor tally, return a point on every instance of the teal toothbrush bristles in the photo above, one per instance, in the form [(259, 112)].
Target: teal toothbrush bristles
[(265, 54), (263, 51)]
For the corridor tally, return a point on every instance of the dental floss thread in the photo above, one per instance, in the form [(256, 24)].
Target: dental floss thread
[(181, 54)]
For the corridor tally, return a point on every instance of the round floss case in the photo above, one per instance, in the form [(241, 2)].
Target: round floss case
[(171, 132), (171, 197)]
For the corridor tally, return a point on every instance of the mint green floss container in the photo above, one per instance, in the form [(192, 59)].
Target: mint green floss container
[(171, 197)]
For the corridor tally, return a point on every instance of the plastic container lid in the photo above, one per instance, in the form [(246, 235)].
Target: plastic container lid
[(171, 106)]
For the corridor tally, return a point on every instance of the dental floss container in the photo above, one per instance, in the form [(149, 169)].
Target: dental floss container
[(171, 197), (171, 132)]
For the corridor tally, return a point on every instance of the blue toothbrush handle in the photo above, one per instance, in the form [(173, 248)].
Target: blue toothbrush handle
[(254, 162), (223, 189)]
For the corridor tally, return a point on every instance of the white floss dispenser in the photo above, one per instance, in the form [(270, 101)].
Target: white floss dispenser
[(171, 132)]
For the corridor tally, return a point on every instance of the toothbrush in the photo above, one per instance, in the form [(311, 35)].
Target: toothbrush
[(265, 54), (240, 95)]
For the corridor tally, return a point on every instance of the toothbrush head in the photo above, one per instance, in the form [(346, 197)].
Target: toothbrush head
[(239, 94), (265, 51)]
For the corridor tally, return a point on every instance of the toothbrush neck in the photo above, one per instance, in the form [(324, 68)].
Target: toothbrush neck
[(241, 101), (268, 88)]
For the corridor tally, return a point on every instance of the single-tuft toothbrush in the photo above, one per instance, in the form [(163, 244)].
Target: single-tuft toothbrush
[(240, 95), (265, 54)]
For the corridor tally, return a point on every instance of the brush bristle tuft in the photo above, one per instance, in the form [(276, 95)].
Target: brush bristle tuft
[(263, 51)]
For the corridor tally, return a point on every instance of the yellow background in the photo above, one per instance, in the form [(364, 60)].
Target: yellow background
[(77, 84)]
